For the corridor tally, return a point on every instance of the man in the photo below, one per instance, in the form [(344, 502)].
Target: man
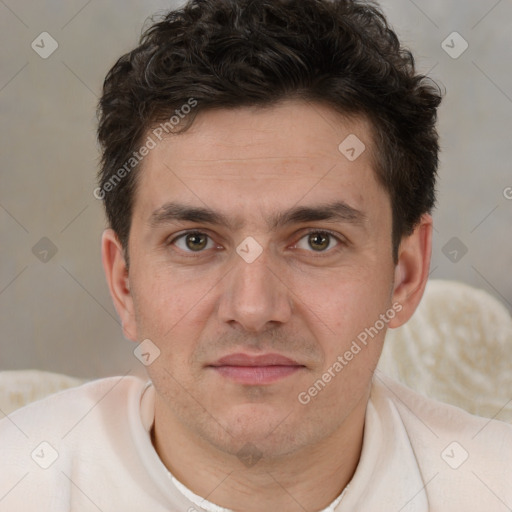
[(268, 175)]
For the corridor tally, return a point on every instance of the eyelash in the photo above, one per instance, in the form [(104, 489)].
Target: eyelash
[(341, 243)]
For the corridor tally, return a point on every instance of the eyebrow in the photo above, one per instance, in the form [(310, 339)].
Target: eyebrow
[(338, 211)]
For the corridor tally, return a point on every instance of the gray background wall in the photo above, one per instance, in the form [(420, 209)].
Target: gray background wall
[(55, 310)]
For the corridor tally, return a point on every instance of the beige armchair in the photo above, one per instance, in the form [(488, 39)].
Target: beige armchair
[(457, 348)]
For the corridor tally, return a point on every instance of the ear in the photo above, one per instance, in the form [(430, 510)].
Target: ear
[(118, 281), (411, 271)]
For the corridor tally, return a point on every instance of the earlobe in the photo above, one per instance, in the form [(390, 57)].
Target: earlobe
[(412, 269), (118, 281)]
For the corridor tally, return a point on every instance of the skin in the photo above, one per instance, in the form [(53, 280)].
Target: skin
[(301, 298)]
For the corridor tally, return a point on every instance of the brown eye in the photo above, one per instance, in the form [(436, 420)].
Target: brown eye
[(194, 241), (319, 241)]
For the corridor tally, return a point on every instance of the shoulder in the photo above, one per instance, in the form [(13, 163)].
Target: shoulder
[(461, 456), (64, 406), (67, 439), (63, 421), (436, 417)]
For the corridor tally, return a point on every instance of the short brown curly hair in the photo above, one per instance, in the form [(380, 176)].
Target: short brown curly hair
[(234, 53)]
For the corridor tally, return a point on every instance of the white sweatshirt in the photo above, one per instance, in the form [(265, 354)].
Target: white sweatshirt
[(89, 449)]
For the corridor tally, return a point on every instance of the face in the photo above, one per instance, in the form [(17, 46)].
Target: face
[(259, 254)]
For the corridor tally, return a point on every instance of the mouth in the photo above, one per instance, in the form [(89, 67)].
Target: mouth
[(255, 370)]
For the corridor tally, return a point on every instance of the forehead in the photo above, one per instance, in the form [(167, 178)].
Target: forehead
[(291, 128), (251, 157)]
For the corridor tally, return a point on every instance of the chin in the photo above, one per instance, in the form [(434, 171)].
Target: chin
[(266, 431)]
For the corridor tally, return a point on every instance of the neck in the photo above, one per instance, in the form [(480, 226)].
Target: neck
[(309, 479)]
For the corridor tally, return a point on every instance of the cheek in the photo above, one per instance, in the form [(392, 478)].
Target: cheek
[(346, 311), (165, 295), (347, 298), (169, 311)]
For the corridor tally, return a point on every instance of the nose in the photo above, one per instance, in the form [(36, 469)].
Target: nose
[(255, 296)]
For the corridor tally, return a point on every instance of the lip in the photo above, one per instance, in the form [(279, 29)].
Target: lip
[(241, 359), (256, 369)]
